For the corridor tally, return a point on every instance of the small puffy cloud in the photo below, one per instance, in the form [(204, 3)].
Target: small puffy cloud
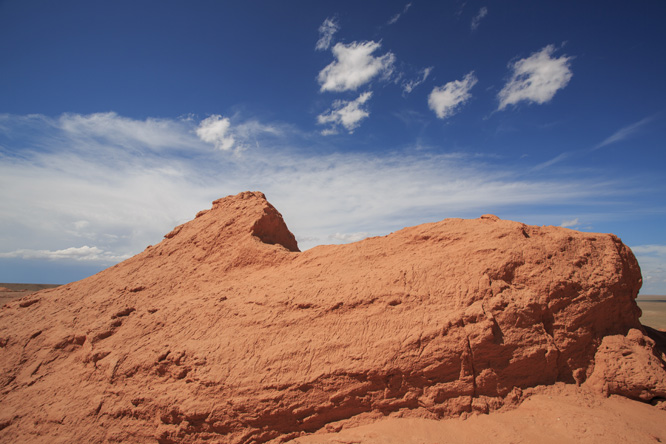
[(409, 86), (354, 66), (536, 78), (396, 17), (347, 113), (445, 100), (570, 223), (85, 253), (215, 130), (477, 19), (326, 32)]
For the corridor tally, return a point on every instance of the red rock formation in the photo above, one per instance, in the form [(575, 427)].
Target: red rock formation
[(225, 332)]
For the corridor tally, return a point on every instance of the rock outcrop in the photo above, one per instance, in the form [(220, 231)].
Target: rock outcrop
[(225, 332)]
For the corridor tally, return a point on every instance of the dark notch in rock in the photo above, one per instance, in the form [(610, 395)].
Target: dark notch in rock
[(270, 228)]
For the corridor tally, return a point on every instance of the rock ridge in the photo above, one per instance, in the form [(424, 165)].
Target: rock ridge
[(224, 331)]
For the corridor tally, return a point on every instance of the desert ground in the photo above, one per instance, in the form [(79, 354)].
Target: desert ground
[(654, 310), (9, 292), (556, 414)]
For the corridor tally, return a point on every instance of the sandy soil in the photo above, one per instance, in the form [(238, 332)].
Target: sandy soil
[(559, 414)]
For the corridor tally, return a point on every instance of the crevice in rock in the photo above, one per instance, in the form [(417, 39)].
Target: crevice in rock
[(471, 363)]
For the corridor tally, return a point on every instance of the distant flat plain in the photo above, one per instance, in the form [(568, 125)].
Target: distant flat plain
[(654, 310), (653, 306), (10, 292)]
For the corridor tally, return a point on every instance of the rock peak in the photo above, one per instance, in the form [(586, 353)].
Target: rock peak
[(244, 195), (233, 219)]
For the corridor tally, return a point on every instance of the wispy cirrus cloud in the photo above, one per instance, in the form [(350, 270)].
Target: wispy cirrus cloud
[(446, 100), (557, 159), (625, 132), (326, 32), (478, 17), (650, 249), (536, 79), (65, 187), (110, 128), (652, 259), (355, 65), (396, 17), (84, 253), (348, 237)]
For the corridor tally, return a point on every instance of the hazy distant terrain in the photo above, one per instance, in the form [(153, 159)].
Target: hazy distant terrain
[(10, 292), (654, 310)]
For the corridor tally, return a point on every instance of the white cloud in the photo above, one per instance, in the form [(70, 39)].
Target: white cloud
[(215, 130), (570, 223), (81, 224), (625, 132), (354, 66), (120, 190), (446, 100), (326, 31), (477, 19), (250, 129), (650, 249), (557, 159), (396, 17), (346, 113), (85, 253), (132, 197), (110, 128), (536, 78), (652, 260), (348, 237), (408, 87)]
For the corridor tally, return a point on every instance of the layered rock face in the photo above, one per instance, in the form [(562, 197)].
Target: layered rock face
[(225, 332)]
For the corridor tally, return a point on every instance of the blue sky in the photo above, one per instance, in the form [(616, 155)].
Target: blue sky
[(119, 120)]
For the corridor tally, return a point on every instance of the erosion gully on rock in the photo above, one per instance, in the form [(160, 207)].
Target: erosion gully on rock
[(225, 332)]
